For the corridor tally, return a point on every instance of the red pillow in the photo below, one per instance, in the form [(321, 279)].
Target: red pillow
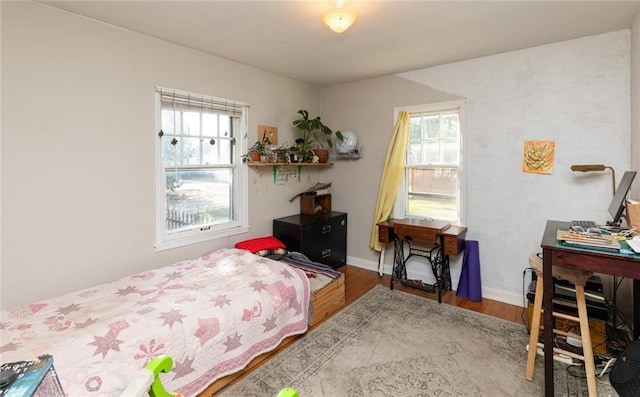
[(261, 243)]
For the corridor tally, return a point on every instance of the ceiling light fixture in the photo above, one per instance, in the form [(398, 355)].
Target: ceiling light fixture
[(338, 19)]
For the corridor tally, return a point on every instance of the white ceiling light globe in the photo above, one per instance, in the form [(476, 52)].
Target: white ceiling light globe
[(348, 144)]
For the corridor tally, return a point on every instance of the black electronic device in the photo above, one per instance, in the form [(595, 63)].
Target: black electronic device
[(616, 208), (564, 299), (592, 285)]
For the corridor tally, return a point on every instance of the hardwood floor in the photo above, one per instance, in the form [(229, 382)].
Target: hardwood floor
[(357, 283)]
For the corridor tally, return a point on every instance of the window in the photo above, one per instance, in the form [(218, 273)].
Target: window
[(200, 181), (432, 186)]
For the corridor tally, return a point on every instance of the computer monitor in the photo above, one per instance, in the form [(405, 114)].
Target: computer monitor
[(616, 208)]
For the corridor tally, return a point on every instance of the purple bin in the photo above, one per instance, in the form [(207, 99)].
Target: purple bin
[(470, 284)]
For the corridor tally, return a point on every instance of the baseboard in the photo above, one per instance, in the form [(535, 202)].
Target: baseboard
[(364, 264), (502, 296), (487, 292)]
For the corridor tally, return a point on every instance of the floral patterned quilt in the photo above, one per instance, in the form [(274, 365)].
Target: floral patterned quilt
[(212, 315)]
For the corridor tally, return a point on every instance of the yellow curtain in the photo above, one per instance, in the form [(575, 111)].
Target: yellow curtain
[(392, 176)]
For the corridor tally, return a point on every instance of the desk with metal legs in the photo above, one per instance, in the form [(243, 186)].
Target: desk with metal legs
[(557, 254)]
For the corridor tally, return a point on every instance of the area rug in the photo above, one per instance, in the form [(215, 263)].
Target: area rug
[(390, 343)]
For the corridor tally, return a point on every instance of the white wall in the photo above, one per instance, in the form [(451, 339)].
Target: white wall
[(575, 93), (78, 147)]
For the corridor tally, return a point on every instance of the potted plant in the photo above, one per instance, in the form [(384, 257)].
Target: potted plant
[(257, 150), (314, 134)]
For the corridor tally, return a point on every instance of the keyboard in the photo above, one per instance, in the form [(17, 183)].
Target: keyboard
[(585, 224), (634, 245)]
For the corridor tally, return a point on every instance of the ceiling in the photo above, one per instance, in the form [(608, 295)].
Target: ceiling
[(288, 38)]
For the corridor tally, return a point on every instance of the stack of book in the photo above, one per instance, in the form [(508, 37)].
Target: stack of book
[(604, 242), (30, 378)]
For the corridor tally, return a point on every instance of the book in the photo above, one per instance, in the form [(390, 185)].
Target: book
[(604, 242), (319, 192), (30, 375)]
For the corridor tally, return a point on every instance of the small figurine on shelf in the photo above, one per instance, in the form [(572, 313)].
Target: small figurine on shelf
[(284, 154)]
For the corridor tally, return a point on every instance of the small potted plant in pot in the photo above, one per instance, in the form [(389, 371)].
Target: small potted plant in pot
[(258, 151), (314, 135)]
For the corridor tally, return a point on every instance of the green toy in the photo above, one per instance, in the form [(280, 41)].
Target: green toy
[(288, 392)]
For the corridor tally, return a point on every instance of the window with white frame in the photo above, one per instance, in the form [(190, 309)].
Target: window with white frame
[(200, 181), (432, 185)]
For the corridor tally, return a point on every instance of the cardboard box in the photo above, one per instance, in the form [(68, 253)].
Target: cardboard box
[(633, 215), (597, 329)]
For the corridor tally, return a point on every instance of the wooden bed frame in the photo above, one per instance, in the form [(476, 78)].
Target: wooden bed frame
[(327, 301)]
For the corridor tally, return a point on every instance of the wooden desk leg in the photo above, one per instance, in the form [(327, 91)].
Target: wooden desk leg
[(547, 305), (636, 309)]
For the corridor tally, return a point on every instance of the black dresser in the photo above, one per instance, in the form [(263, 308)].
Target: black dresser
[(323, 238)]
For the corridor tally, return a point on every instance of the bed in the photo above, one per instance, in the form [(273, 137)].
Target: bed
[(212, 315), (327, 286), (326, 283)]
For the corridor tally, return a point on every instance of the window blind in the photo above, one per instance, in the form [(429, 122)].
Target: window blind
[(184, 101)]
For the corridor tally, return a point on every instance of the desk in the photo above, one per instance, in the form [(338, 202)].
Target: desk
[(556, 254), (446, 239)]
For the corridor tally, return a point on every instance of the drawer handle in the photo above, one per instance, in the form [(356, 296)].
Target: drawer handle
[(326, 253), (326, 229)]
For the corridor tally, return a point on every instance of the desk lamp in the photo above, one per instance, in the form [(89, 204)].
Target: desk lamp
[(602, 167), (597, 167)]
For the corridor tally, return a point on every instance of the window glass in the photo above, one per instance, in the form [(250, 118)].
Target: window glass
[(197, 198), (432, 184), (170, 121), (432, 193), (190, 150), (191, 125), (210, 125), (209, 153), (225, 151), (201, 187)]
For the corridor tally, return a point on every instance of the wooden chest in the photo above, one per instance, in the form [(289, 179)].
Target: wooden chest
[(328, 300)]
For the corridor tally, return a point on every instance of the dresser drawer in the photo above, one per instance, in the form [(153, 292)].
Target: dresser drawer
[(386, 234), (416, 233), (453, 245)]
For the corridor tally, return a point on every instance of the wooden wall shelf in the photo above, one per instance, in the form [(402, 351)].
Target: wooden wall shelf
[(276, 165), (255, 164)]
